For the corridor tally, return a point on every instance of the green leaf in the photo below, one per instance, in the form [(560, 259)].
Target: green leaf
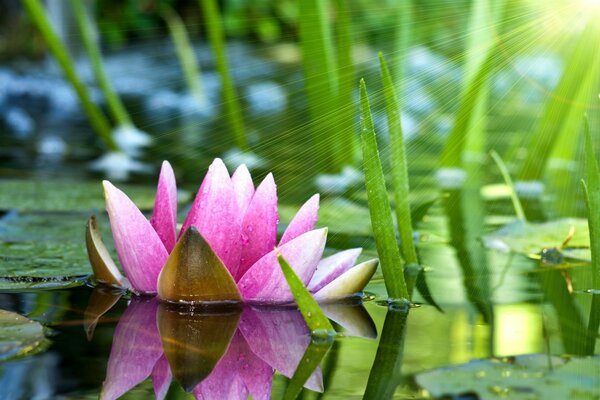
[(592, 196), (20, 336), (528, 377), (314, 317), (399, 168), (379, 205)]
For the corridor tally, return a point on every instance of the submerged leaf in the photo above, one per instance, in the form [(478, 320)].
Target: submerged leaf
[(102, 263), (193, 273), (535, 376), (194, 342), (19, 336)]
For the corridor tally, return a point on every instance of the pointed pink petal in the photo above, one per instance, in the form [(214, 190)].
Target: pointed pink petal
[(259, 229), (244, 372), (243, 187), (215, 213), (280, 338), (305, 220), (331, 267), (140, 250), (164, 215), (264, 282), (161, 377), (136, 348)]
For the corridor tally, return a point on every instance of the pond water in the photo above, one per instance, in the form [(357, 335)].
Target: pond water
[(486, 295)]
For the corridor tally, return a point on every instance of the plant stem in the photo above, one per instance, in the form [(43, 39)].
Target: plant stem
[(115, 105), (216, 36), (97, 119)]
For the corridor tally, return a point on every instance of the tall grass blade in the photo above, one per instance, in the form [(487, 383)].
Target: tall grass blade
[(97, 119), (320, 80), (403, 40), (399, 167), (508, 180), (185, 53), (379, 205), (216, 36), (468, 132), (346, 134), (314, 317), (85, 25), (579, 68), (591, 188)]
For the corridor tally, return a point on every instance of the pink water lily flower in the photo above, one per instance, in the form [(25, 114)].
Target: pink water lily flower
[(226, 248)]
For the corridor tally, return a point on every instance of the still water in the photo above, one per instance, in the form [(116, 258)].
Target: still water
[(473, 303)]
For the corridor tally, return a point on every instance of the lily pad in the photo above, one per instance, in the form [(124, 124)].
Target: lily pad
[(531, 238), (19, 336), (55, 195), (44, 245), (531, 377)]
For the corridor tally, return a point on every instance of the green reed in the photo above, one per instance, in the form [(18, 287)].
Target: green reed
[(98, 121), (85, 25), (185, 53), (399, 168), (216, 36), (379, 205)]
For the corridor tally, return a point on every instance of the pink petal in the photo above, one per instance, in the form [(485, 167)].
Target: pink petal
[(244, 372), (164, 215), (140, 250), (264, 282), (259, 229), (331, 267), (136, 348), (161, 377), (243, 187), (305, 220), (280, 338), (215, 213)]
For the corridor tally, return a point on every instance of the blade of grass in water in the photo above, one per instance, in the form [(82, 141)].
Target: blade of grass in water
[(97, 119), (346, 84), (577, 70), (310, 361), (399, 167), (379, 205), (592, 195), (115, 105), (507, 179), (320, 81), (185, 53), (386, 371), (314, 317), (216, 37)]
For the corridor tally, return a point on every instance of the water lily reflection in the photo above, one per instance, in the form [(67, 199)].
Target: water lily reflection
[(226, 354)]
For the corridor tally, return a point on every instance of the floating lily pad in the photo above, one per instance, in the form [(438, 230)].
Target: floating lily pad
[(44, 245), (529, 377), (27, 283), (531, 238), (55, 195), (19, 336)]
